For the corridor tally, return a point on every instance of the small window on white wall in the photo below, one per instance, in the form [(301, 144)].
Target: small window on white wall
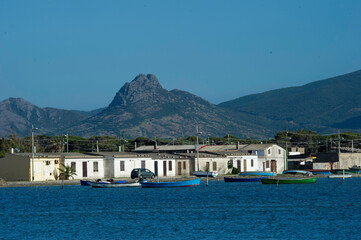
[(269, 151), (95, 166), (251, 162), (122, 166)]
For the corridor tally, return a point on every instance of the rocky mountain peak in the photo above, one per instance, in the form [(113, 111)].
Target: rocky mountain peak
[(142, 88)]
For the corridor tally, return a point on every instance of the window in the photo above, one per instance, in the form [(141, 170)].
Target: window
[(252, 163), (122, 166), (73, 166), (279, 151), (269, 151), (214, 166), (95, 166), (207, 166), (184, 165), (230, 163), (56, 161), (170, 166), (143, 164), (47, 162), (267, 164)]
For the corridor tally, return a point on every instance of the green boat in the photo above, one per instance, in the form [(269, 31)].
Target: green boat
[(289, 180)]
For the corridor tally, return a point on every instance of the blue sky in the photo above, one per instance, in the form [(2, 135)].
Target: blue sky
[(78, 54)]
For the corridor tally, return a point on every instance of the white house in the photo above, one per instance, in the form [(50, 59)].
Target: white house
[(85, 166), (244, 162), (121, 164), (271, 157)]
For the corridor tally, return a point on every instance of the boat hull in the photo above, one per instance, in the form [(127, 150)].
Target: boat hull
[(255, 179), (188, 183), (113, 185), (340, 176), (86, 182), (204, 174), (289, 180), (257, 174)]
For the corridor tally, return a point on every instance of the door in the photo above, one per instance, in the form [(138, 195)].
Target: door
[(264, 166), (156, 168), (273, 166), (244, 165), (179, 168), (164, 168), (85, 169), (239, 165)]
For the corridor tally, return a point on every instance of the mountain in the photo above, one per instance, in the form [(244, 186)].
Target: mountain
[(323, 105), (144, 108), (17, 116)]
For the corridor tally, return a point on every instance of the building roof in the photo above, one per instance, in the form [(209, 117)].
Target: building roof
[(257, 147), (165, 148)]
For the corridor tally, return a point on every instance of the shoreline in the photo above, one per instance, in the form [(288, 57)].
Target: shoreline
[(4, 183)]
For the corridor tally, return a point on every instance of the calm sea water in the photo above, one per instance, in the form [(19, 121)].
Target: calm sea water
[(328, 209)]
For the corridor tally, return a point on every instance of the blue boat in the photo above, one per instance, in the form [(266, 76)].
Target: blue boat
[(297, 172), (257, 174), (320, 172), (188, 183), (254, 179)]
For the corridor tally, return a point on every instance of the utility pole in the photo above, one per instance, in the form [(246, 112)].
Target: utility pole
[(67, 142), (32, 150), (97, 146), (339, 149)]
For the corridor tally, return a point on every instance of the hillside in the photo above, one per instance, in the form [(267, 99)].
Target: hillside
[(322, 105), (17, 115), (144, 108)]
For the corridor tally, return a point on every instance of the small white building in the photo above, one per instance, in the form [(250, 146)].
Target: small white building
[(85, 166), (244, 162), (271, 157), (121, 164)]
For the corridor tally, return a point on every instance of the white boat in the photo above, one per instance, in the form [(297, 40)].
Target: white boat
[(113, 185), (204, 174), (340, 176)]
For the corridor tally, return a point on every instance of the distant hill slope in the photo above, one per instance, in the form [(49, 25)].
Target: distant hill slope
[(144, 108), (323, 105), (17, 116)]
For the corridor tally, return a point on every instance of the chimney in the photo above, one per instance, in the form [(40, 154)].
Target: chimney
[(135, 145), (155, 145), (237, 145), (12, 150)]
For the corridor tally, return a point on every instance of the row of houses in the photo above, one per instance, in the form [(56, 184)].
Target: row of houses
[(165, 161)]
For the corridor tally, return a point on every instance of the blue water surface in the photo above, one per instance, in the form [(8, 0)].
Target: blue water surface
[(328, 209)]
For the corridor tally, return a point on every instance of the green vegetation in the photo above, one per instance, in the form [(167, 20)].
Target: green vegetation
[(310, 140), (66, 172)]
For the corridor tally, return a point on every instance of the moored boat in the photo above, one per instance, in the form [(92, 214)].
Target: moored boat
[(289, 180), (257, 173), (187, 183), (340, 176), (86, 182), (297, 172), (204, 174), (320, 172), (243, 179), (113, 185)]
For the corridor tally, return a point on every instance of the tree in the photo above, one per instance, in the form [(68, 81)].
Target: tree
[(66, 172)]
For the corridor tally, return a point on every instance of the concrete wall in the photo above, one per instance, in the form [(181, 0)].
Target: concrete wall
[(245, 163), (349, 160), (15, 168), (91, 174)]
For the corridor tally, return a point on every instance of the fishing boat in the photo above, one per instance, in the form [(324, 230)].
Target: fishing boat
[(320, 172), (86, 182), (187, 183), (297, 172), (289, 180), (256, 173), (243, 179), (355, 169), (113, 185), (205, 174), (340, 176)]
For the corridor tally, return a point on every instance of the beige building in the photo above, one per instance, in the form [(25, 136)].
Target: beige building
[(18, 167)]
